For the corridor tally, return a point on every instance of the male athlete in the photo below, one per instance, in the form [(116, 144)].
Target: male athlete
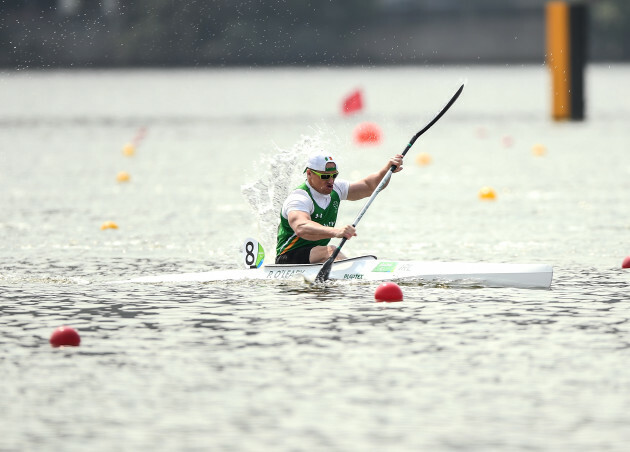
[(309, 214)]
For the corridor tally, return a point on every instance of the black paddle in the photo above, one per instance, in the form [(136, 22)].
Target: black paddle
[(324, 272)]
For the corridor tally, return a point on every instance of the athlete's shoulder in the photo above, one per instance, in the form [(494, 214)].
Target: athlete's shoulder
[(298, 199), (341, 186), (299, 192)]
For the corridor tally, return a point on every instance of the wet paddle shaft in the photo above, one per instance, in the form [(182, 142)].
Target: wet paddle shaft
[(324, 273)]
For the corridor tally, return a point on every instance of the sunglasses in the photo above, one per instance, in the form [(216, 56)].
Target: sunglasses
[(325, 176)]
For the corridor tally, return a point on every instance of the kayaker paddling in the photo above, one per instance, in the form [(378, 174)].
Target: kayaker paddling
[(309, 214)]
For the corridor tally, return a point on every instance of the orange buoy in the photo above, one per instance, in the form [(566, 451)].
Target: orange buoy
[(423, 159), (388, 292), (129, 150), (65, 336), (487, 194), (109, 225), (123, 176), (367, 133), (539, 150)]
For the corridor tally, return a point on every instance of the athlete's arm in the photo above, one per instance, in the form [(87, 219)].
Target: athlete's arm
[(307, 229), (366, 186)]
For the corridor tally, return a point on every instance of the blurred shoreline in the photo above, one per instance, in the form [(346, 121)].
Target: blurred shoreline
[(144, 34)]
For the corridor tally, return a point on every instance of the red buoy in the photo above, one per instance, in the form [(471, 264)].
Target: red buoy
[(388, 292), (64, 336), (626, 262), (367, 133)]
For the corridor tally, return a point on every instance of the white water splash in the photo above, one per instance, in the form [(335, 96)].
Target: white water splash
[(281, 170)]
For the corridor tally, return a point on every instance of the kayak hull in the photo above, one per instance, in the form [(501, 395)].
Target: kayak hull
[(369, 268)]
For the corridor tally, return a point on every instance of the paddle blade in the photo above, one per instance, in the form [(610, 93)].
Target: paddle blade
[(324, 272)]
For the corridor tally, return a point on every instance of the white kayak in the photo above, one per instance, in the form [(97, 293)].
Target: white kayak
[(369, 268)]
